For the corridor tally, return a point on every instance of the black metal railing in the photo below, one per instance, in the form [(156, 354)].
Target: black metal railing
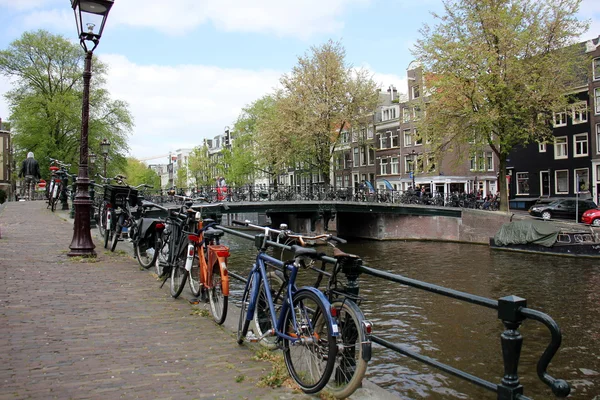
[(512, 311), (321, 192)]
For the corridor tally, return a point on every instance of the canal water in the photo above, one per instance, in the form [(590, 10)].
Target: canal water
[(463, 335)]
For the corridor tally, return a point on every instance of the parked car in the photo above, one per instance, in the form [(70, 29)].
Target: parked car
[(591, 217), (562, 208)]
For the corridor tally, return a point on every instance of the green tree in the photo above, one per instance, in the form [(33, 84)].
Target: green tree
[(181, 180), (200, 166), (46, 101), (258, 144), (321, 97), (138, 172), (496, 70)]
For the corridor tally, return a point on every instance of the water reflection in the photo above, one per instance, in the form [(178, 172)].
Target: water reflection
[(467, 336)]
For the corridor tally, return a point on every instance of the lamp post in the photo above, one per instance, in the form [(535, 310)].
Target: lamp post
[(105, 147), (90, 16)]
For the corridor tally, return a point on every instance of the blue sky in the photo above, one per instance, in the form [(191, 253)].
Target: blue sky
[(187, 67)]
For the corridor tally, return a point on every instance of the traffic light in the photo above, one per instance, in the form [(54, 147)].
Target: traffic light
[(226, 139)]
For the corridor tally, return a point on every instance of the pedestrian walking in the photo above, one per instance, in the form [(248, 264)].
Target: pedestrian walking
[(30, 171)]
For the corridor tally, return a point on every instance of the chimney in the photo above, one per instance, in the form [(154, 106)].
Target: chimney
[(392, 91)]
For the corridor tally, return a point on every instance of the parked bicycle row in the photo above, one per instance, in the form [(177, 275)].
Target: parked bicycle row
[(252, 193), (323, 334)]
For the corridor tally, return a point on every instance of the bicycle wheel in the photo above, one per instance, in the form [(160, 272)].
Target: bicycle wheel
[(102, 219), (350, 364), (163, 254), (244, 323), (195, 285), (261, 322), (116, 235), (311, 359), (178, 275), (146, 252), (54, 201), (108, 233), (218, 301)]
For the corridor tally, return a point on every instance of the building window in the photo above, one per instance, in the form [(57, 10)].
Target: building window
[(348, 160), (472, 163), (363, 159), (405, 114), (580, 145), (489, 160), (338, 181), (560, 147), (579, 112), (480, 162), (371, 156), (596, 68), (560, 119), (355, 158), (418, 139), (383, 166), (370, 132), (409, 164), (347, 181), (416, 93), (582, 180), (597, 100), (407, 138), (561, 181), (382, 140), (345, 137), (395, 139), (354, 136), (598, 140), (394, 165), (416, 113), (522, 182), (431, 163), (542, 147)]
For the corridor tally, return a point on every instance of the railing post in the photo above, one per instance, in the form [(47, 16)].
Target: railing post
[(512, 341)]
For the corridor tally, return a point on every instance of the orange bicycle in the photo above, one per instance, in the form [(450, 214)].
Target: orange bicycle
[(207, 267)]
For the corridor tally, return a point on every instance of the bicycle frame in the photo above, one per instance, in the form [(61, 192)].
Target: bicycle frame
[(259, 275), (216, 252)]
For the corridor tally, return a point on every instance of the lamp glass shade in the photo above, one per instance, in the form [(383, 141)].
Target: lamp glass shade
[(105, 146), (90, 16)]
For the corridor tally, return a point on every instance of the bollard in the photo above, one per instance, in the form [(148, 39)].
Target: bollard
[(512, 341), (63, 194)]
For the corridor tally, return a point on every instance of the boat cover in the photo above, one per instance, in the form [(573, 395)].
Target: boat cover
[(527, 231)]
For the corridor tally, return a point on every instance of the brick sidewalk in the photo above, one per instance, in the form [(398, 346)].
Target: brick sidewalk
[(102, 329)]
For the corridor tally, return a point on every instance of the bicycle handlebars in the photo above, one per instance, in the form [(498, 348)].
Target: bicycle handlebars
[(286, 233)]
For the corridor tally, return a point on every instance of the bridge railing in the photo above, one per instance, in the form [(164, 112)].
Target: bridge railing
[(320, 192), (511, 310)]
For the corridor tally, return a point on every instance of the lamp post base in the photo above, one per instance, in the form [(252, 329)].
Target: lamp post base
[(82, 244)]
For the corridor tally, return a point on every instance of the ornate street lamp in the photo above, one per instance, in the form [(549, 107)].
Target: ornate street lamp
[(90, 16), (105, 147)]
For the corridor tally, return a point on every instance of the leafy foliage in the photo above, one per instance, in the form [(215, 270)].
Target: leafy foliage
[(496, 70), (137, 173), (46, 101)]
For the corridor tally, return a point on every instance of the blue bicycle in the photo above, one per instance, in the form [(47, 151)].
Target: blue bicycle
[(309, 346)]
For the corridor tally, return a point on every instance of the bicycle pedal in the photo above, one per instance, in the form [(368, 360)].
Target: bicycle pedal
[(251, 337)]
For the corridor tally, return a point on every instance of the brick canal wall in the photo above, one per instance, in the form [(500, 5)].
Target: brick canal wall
[(475, 226)]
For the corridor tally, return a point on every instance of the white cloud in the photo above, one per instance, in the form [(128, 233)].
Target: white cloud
[(25, 4), (178, 106), (53, 19), (281, 17)]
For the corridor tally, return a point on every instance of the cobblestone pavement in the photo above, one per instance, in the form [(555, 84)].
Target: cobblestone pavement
[(101, 329)]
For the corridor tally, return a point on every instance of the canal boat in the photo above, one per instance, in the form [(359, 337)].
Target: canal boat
[(535, 236)]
